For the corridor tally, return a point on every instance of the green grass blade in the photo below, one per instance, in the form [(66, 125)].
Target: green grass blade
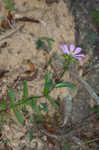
[(47, 39), (3, 106), (11, 94), (9, 4), (96, 109), (44, 107), (32, 102), (25, 91), (25, 96), (31, 134), (19, 116), (67, 147), (64, 84), (95, 15), (48, 84), (40, 44)]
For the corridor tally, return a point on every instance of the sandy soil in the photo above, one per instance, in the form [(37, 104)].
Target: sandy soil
[(56, 21)]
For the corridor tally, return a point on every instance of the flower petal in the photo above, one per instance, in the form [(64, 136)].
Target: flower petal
[(65, 49), (79, 58), (72, 47), (77, 50), (79, 55)]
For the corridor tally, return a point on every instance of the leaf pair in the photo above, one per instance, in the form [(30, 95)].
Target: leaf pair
[(49, 86), (41, 44), (18, 114)]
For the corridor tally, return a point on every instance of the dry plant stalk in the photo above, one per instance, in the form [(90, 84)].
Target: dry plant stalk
[(88, 87)]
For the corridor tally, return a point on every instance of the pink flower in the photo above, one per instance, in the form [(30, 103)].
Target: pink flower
[(72, 51)]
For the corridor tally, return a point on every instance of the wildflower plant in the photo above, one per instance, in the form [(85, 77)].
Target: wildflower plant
[(70, 54)]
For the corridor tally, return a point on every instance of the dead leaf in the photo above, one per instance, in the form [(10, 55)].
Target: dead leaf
[(10, 17), (49, 128), (31, 66), (5, 24), (2, 73), (3, 45)]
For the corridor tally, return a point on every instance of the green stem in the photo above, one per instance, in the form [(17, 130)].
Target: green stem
[(28, 99), (65, 68), (20, 103), (90, 141)]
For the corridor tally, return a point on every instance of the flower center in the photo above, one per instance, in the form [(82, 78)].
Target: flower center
[(72, 53)]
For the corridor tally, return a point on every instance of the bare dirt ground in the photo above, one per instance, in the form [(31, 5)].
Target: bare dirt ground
[(65, 22)]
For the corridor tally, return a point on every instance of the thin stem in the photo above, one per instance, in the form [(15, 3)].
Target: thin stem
[(28, 99), (90, 141), (20, 103), (65, 68)]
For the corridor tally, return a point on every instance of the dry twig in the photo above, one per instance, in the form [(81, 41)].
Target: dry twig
[(11, 33), (88, 87)]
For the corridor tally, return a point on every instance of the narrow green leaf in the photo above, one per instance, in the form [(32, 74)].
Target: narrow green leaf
[(25, 96), (95, 109), (64, 84), (67, 146), (25, 91), (95, 15), (11, 94), (49, 45), (9, 4), (3, 106), (97, 116), (47, 39), (1, 119), (32, 102), (48, 84), (38, 118), (38, 110), (19, 116), (31, 134), (52, 101), (45, 107), (40, 44)]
